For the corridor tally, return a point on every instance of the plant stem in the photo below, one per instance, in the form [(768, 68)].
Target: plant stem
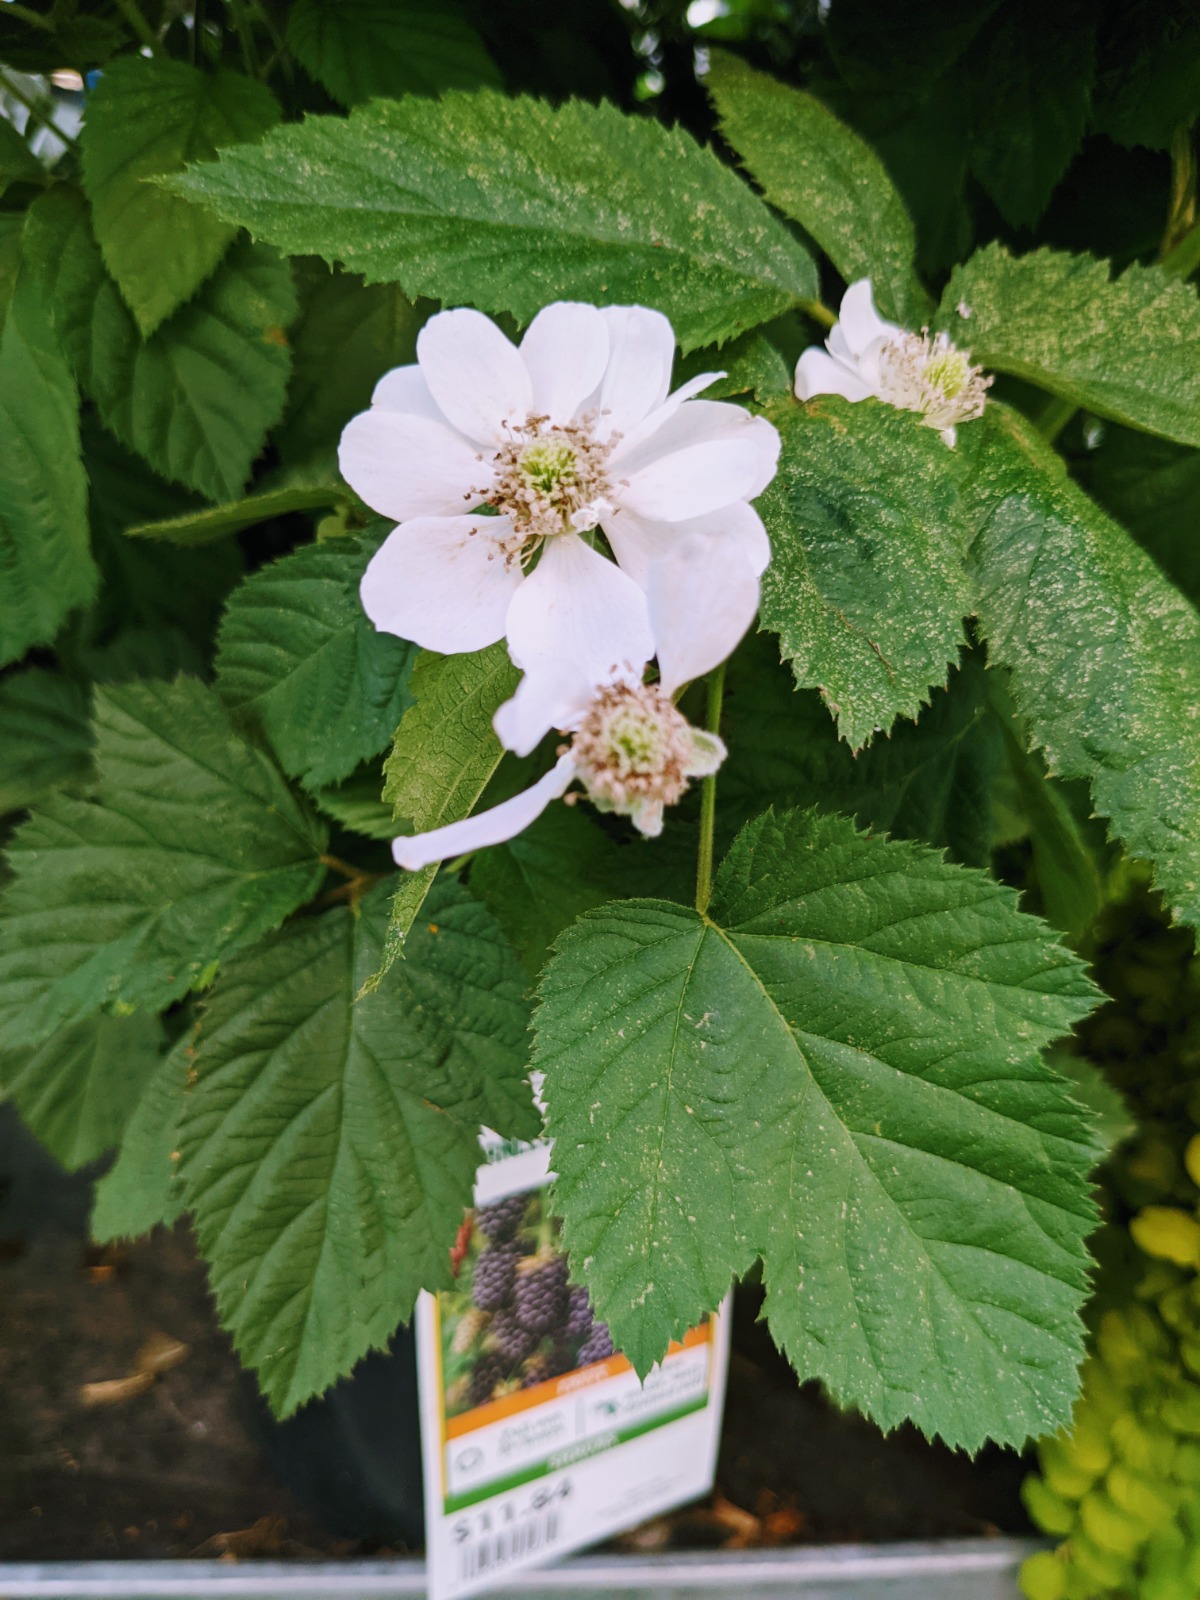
[(1181, 213), (1055, 418), (35, 110), (132, 13), (245, 35), (27, 14), (708, 796), (819, 312), (336, 864)]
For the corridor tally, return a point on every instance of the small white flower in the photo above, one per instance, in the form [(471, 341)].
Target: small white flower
[(632, 752), (498, 461), (864, 355)]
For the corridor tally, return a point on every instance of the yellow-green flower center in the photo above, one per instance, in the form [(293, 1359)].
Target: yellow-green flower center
[(948, 370), (548, 468)]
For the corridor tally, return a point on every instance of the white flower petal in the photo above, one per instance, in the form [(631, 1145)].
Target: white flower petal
[(638, 543), (640, 355), (502, 822), (544, 699), (565, 349), (637, 437), (707, 456), (647, 817), (442, 582), (859, 320), (405, 389), (474, 373), (576, 616), (818, 373), (410, 466), (708, 752), (702, 598)]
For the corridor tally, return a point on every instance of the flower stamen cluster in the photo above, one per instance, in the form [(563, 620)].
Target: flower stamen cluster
[(550, 478), (932, 375), (633, 748)]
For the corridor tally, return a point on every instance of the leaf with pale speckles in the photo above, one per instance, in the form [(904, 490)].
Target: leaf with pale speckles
[(837, 1069), (507, 204), (1124, 347), (1103, 651), (820, 172), (866, 587)]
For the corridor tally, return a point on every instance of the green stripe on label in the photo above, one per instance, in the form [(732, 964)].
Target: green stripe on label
[(584, 1451)]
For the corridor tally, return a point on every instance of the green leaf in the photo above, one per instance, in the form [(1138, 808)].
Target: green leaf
[(821, 173), (837, 1069), (143, 1188), (297, 654), (357, 804), (1031, 89), (1153, 487), (18, 164), (540, 882), (1103, 652), (930, 780), (195, 399), (508, 204), (76, 1091), (349, 334), (1124, 347), (44, 735), (330, 1147), (1149, 81), (46, 567), (146, 117), (191, 848), (194, 528), (866, 587), (442, 759), (362, 48)]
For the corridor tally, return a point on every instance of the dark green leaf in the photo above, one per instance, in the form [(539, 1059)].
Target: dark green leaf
[(143, 1188), (146, 117), (1153, 487), (1104, 653), (362, 48), (76, 1091), (1149, 82), (866, 587), (46, 567), (330, 1147), (297, 654), (195, 399), (508, 204), (44, 735), (818, 171), (18, 164), (838, 1069), (192, 848), (210, 524), (1124, 347)]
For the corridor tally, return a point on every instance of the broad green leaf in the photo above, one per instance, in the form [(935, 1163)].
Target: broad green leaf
[(508, 204), (362, 48), (64, 38), (191, 847), (195, 399), (442, 759), (348, 335), (1153, 487), (1124, 347), (1149, 79), (820, 172), (329, 1147), (866, 587), (18, 164), (298, 655), (357, 803), (143, 1187), (540, 882), (77, 1090), (930, 780), (1031, 88), (1103, 652), (44, 736), (836, 1069), (147, 117), (46, 567)]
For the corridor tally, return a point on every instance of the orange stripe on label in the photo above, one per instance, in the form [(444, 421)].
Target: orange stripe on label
[(555, 1388)]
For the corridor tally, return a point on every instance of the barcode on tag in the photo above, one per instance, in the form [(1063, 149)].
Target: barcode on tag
[(496, 1550)]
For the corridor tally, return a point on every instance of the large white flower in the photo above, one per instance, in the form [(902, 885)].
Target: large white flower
[(631, 750), (498, 462), (865, 355)]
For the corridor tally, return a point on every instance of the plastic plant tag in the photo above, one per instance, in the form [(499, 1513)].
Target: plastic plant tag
[(538, 1438)]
